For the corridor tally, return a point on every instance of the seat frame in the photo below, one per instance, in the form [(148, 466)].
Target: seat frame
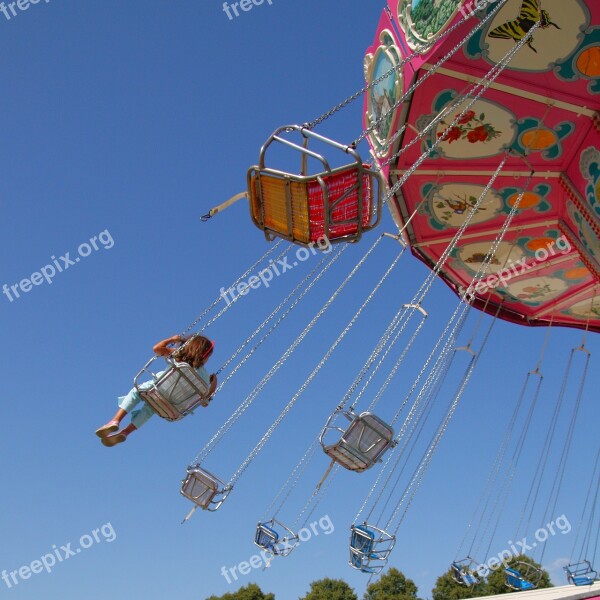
[(371, 555), (281, 544), (358, 461), (464, 573), (163, 405), (214, 493), (524, 572), (581, 573), (256, 172)]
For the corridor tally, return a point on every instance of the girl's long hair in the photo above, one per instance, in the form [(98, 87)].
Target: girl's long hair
[(196, 351)]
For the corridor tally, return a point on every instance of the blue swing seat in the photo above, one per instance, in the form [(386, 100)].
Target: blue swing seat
[(266, 537), (269, 538), (516, 581), (369, 548), (463, 573), (581, 573)]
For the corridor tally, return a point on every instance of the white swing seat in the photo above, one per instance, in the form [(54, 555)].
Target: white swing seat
[(362, 444), (278, 543), (204, 489), (175, 393), (370, 548)]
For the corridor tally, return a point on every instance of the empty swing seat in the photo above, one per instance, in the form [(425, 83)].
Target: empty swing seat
[(338, 204), (463, 572), (204, 489), (174, 393), (581, 573), (369, 548), (268, 538), (362, 444), (519, 581)]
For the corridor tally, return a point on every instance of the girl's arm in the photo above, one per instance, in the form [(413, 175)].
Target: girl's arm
[(162, 348), (213, 385)]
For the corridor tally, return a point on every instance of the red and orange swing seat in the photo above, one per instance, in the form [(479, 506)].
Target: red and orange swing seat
[(338, 204)]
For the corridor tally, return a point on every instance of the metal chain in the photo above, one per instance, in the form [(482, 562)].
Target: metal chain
[(236, 298), (420, 420), (264, 323), (285, 356), (318, 495), (562, 466), (243, 276), (395, 368), (466, 306), (585, 507), (321, 493), (450, 342), (218, 436), (421, 293), (490, 77), (429, 455), (292, 480), (339, 339), (494, 472), (432, 71)]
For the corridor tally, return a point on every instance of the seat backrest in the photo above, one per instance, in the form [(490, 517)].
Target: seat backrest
[(369, 435), (362, 540), (265, 536), (181, 383), (177, 392), (344, 197)]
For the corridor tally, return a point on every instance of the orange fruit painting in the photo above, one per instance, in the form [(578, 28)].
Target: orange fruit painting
[(588, 62), (539, 139)]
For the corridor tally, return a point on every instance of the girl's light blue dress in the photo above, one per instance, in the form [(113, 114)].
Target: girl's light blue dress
[(133, 398)]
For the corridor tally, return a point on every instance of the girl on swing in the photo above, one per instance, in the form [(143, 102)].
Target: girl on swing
[(195, 352)]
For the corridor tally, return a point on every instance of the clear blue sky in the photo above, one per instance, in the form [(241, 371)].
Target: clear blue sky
[(134, 118)]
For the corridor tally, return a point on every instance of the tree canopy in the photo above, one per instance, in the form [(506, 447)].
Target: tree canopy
[(392, 586), (330, 589), (249, 592)]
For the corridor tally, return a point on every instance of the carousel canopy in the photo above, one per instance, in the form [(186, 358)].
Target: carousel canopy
[(540, 111)]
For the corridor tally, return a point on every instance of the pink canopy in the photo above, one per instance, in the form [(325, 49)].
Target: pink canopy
[(542, 107)]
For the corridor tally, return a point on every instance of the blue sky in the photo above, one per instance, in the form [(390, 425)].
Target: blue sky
[(126, 122)]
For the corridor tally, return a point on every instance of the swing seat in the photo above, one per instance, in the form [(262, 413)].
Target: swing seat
[(175, 393), (463, 572), (268, 538), (362, 444), (338, 204), (204, 489), (581, 573), (518, 581), (369, 548)]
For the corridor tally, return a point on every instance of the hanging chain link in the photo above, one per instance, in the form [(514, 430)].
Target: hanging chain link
[(299, 286), (429, 73), (291, 403), (219, 298), (218, 436)]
